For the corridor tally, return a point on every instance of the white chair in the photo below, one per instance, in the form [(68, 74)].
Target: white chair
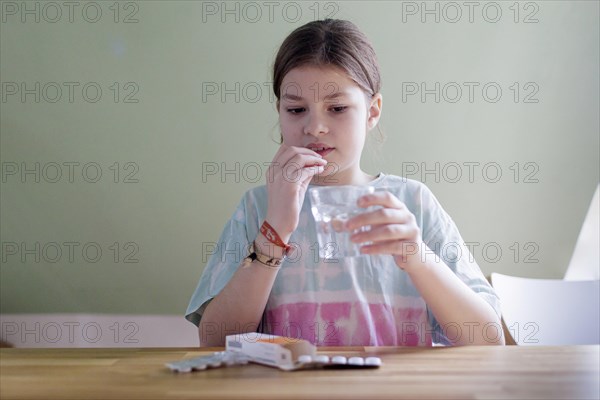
[(585, 262), (549, 311)]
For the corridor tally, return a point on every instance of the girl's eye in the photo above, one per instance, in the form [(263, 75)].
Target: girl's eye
[(295, 110), (339, 109)]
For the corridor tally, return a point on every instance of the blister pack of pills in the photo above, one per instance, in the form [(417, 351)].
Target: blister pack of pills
[(231, 358), (335, 362), (284, 353), (216, 360)]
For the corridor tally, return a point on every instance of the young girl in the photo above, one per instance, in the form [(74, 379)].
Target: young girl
[(416, 284)]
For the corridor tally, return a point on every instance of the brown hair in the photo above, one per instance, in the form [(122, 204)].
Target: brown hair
[(329, 42)]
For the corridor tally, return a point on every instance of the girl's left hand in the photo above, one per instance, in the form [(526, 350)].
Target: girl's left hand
[(394, 229)]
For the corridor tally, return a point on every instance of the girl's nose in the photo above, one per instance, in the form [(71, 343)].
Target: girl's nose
[(315, 125)]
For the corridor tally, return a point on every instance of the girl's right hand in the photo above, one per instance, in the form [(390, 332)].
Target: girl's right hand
[(288, 177)]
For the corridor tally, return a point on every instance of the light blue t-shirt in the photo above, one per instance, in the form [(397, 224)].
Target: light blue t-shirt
[(362, 301)]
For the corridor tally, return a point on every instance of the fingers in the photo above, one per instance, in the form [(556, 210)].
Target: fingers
[(287, 154), (393, 211), (380, 216), (391, 226), (386, 233), (288, 177), (309, 172), (383, 198), (296, 164)]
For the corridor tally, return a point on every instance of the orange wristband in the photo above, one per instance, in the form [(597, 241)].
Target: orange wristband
[(272, 236)]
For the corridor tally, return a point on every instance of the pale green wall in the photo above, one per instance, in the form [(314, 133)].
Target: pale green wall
[(171, 133)]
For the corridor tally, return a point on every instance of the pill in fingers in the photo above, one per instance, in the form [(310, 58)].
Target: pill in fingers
[(317, 165)]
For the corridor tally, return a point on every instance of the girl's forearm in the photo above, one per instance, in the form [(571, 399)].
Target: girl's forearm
[(467, 317), (239, 307)]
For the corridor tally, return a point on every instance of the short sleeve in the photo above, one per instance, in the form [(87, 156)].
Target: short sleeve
[(226, 256)]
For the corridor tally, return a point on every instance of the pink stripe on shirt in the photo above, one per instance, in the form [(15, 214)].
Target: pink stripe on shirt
[(351, 324)]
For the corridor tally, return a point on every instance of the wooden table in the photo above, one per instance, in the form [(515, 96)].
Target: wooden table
[(569, 372)]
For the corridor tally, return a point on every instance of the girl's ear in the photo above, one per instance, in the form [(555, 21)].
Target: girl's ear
[(374, 111)]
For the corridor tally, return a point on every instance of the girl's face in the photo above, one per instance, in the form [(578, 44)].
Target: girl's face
[(324, 110)]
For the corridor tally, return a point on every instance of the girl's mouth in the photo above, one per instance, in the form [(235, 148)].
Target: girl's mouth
[(323, 151), (321, 148)]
